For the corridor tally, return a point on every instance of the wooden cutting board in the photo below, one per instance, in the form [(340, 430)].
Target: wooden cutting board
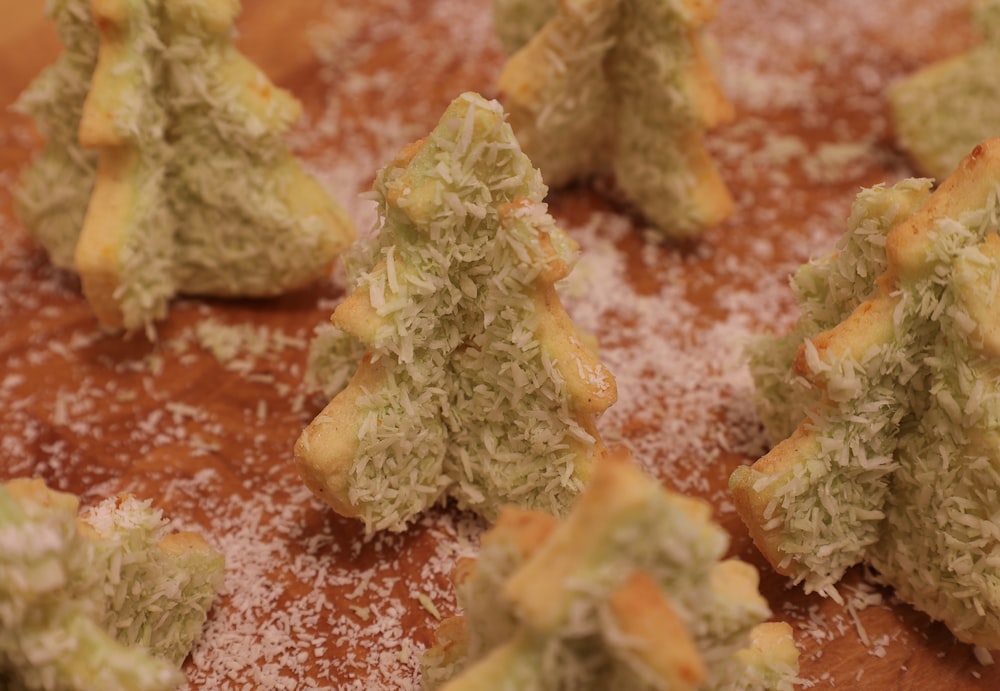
[(203, 421)]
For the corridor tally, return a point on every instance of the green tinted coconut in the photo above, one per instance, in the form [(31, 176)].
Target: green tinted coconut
[(165, 170), (942, 111), (545, 597), (52, 195), (895, 463), (107, 600), (517, 21), (828, 290), (624, 87), (453, 298)]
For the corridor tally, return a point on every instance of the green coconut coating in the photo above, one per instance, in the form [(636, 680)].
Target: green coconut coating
[(624, 87), (892, 401), (97, 600), (472, 358), (197, 191), (942, 111), (545, 611)]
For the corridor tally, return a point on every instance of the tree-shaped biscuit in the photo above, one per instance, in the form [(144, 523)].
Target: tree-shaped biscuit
[(897, 460), (624, 87), (627, 592), (124, 250), (194, 189), (251, 220), (107, 599), (474, 384), (53, 193), (516, 21), (945, 109)]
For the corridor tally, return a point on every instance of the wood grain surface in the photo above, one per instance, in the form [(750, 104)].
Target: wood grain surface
[(309, 602)]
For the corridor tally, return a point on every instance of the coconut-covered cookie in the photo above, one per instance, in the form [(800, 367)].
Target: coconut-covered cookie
[(623, 87), (474, 383), (629, 591), (251, 220), (107, 599), (941, 112), (890, 388), (53, 193), (516, 21), (124, 249), (165, 170)]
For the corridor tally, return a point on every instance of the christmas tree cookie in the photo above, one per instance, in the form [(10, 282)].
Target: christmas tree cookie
[(255, 223), (106, 599), (516, 21), (166, 151), (624, 87), (124, 249), (892, 396), (627, 592), (52, 197), (474, 383), (941, 112)]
